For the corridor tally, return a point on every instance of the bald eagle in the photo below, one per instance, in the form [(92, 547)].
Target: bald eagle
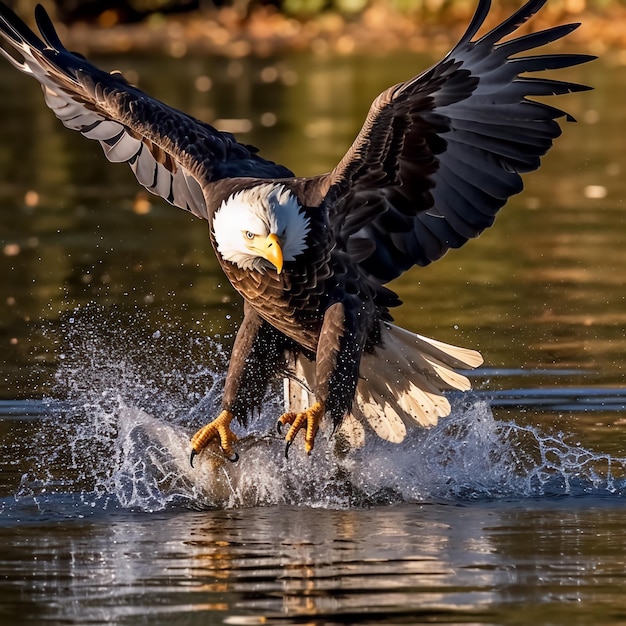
[(436, 158)]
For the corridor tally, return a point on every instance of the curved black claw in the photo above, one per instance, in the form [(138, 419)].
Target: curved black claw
[(192, 456), (287, 449), (234, 458), (279, 427)]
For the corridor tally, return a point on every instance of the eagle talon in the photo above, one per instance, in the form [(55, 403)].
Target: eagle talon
[(218, 429), (310, 418)]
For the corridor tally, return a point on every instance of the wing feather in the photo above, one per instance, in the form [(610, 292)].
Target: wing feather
[(172, 154), (121, 148), (440, 154), (437, 157)]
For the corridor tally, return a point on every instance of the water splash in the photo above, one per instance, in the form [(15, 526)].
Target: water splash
[(132, 398)]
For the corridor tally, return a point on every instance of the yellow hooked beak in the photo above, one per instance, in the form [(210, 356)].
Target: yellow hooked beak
[(272, 251)]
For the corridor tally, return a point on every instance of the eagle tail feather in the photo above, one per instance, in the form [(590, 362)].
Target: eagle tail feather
[(401, 385)]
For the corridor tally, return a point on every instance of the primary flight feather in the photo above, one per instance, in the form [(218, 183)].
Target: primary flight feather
[(437, 157)]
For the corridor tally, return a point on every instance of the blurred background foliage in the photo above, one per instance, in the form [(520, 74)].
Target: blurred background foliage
[(110, 12), (239, 28)]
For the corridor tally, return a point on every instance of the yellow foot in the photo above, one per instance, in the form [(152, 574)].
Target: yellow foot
[(312, 417), (219, 428)]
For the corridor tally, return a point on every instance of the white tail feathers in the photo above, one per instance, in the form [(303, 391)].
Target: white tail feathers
[(401, 385)]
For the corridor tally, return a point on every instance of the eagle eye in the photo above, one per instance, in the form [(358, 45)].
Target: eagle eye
[(249, 235)]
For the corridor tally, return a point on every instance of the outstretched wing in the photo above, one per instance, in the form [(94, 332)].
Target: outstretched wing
[(172, 154), (440, 154)]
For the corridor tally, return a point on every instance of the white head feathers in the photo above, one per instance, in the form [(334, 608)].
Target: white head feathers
[(262, 210)]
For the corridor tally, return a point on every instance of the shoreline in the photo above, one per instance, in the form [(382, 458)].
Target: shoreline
[(377, 30)]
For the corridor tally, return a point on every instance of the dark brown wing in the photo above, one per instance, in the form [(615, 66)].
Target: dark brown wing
[(172, 154), (439, 155)]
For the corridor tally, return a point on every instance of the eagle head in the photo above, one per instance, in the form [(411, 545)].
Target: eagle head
[(260, 227)]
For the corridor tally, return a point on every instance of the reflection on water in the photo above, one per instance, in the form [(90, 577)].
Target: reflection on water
[(486, 564), (509, 512)]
